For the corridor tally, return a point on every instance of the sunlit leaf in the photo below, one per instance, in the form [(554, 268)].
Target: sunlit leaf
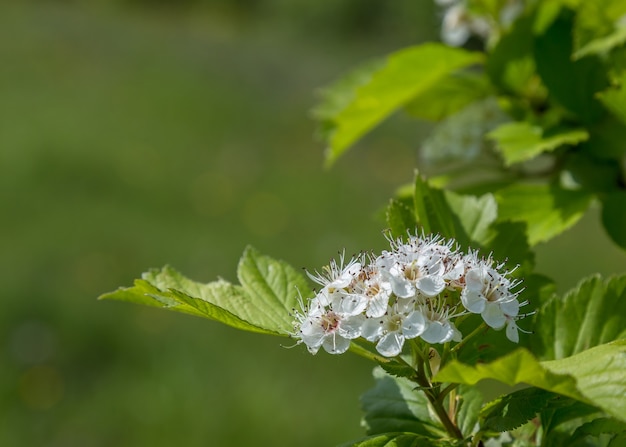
[(591, 314), (273, 288), (521, 141), (548, 210), (263, 303), (595, 376), (406, 74)]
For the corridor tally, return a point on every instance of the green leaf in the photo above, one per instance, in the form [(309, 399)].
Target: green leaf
[(614, 99), (597, 29), (561, 419), (400, 218), (614, 217), (521, 141), (597, 427), (465, 218), (599, 372), (591, 314), (451, 94), (397, 440), (548, 210), (154, 290), (398, 369), (262, 303), (470, 401), (395, 405), (510, 64), (471, 221), (273, 287), (513, 410), (571, 83), (340, 94), (595, 376), (406, 74)]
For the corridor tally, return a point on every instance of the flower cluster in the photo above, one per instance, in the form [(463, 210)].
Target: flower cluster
[(416, 289)]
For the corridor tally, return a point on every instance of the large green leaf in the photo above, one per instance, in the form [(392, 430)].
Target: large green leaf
[(521, 141), (548, 210), (595, 376), (159, 293), (592, 314), (614, 216), (263, 303), (395, 405), (406, 74)]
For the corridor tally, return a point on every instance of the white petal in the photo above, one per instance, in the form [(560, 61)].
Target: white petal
[(510, 308), (431, 264), (511, 331), (473, 300), (456, 334), (475, 280), (436, 332), (414, 325), (351, 305), (336, 344), (493, 315), (378, 305), (324, 297), (455, 272), (372, 329), (430, 285), (401, 287), (391, 344), (351, 327)]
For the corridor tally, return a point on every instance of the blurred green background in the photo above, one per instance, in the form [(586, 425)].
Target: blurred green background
[(135, 134)]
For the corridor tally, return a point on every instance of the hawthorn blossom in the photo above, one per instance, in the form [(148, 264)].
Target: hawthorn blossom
[(391, 330), (321, 326), (416, 289), (489, 293)]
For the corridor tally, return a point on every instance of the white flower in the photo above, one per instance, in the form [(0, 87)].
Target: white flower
[(335, 279), (372, 290), (392, 329), (323, 327), (455, 28), (489, 293), (439, 328), (415, 268)]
